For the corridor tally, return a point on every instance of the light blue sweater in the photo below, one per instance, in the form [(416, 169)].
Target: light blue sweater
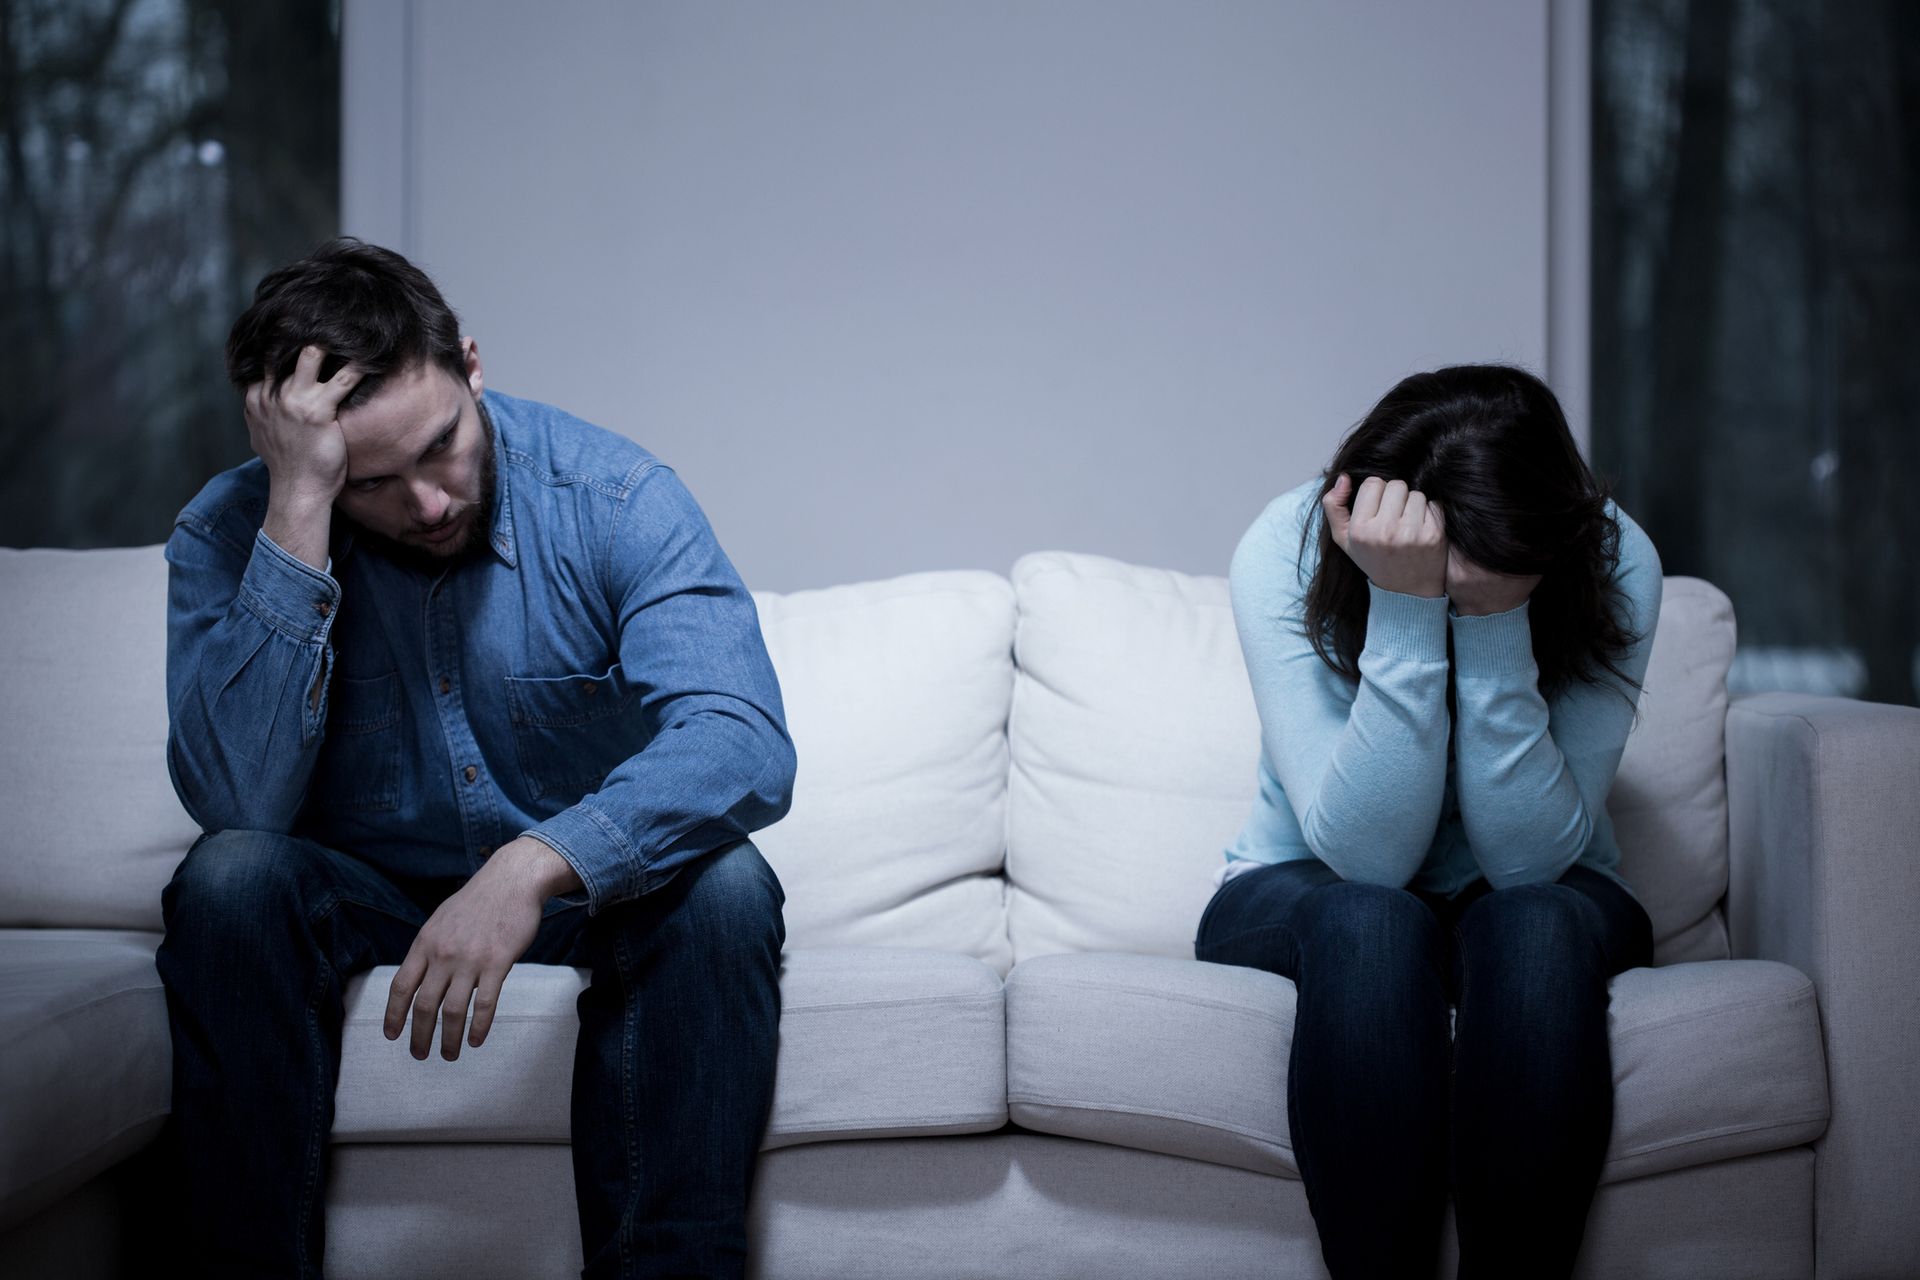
[(1372, 778)]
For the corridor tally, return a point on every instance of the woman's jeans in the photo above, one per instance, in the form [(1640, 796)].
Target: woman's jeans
[(672, 1077), (1387, 1110)]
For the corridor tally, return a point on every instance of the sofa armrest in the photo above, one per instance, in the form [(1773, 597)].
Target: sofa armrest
[(1823, 800)]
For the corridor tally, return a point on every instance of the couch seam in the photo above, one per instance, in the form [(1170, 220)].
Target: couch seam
[(1150, 1112)]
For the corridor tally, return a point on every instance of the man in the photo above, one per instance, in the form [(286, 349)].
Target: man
[(457, 680)]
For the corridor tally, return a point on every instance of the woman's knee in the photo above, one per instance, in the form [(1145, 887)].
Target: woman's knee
[(1351, 917), (1534, 927)]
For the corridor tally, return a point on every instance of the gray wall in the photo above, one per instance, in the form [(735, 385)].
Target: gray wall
[(901, 286)]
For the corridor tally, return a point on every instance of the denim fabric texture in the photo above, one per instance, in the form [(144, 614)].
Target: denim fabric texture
[(597, 679), (356, 743), (1388, 1110)]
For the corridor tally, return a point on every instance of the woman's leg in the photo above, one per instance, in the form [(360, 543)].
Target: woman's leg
[(1533, 1081), (1367, 1079)]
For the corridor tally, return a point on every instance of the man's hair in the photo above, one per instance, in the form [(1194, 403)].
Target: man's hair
[(357, 302)]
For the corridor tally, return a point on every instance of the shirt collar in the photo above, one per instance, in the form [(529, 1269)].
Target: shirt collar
[(501, 539)]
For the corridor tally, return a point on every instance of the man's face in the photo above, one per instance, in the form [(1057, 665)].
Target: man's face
[(420, 465)]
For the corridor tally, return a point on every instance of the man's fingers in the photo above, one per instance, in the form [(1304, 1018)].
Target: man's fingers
[(485, 1001), (426, 1004), (343, 380), (400, 994), (306, 370), (453, 1015)]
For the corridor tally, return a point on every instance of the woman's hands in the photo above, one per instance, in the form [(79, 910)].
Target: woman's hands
[(1398, 539), (1393, 533)]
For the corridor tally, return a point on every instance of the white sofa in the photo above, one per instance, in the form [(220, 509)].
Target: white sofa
[(998, 1057)]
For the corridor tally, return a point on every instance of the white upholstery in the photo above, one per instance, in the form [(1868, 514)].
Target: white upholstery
[(896, 696), (1710, 1061), (874, 1042), (93, 829)]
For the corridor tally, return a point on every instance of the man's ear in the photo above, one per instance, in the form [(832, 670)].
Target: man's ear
[(470, 353)]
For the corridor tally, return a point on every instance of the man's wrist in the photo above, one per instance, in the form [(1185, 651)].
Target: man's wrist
[(538, 865)]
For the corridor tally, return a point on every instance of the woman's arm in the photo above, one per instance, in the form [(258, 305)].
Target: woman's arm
[(1532, 779), (1363, 768)]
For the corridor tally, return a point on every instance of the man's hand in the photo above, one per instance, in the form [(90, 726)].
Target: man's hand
[(1396, 537), (1476, 591), (465, 950), (294, 426)]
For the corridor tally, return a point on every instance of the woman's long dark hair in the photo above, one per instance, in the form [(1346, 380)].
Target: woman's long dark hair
[(1489, 445)]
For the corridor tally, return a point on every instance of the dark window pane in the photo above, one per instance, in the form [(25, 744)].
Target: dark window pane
[(161, 155), (1756, 295)]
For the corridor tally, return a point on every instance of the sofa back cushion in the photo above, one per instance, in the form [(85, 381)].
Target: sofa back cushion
[(896, 695), (1134, 742), (92, 829)]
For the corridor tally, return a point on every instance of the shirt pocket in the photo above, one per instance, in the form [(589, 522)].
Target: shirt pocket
[(571, 731), (359, 764)]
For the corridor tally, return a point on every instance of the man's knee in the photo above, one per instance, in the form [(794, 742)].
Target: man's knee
[(236, 876), (728, 899)]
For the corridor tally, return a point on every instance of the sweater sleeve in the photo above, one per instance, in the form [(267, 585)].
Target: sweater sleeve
[(1364, 767), (1532, 778)]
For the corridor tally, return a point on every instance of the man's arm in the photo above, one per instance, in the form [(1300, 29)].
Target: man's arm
[(247, 625), (719, 763)]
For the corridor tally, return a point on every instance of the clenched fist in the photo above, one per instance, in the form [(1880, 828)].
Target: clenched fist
[(1393, 533)]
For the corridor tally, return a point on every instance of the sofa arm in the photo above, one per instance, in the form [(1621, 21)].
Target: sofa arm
[(1823, 800)]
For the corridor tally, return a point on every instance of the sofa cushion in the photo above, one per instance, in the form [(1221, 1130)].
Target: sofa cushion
[(896, 695), (874, 1042), (1669, 798), (83, 711), (86, 1076), (1134, 745), (1710, 1060)]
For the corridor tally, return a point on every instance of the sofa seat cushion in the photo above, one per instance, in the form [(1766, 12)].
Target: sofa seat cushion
[(874, 1042), (1711, 1060), (87, 1071)]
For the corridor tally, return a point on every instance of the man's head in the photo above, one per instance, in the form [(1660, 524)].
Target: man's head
[(420, 472)]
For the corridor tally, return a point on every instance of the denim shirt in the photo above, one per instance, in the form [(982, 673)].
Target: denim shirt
[(596, 679)]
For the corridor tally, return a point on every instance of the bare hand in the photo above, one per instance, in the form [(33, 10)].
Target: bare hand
[(465, 950), (294, 426), (1476, 591), (1396, 537)]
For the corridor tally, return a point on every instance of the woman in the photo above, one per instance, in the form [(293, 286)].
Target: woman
[(1446, 635)]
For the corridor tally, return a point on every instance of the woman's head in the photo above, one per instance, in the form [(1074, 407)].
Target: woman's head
[(1489, 445)]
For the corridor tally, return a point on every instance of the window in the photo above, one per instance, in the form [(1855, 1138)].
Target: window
[(1756, 314), (160, 156)]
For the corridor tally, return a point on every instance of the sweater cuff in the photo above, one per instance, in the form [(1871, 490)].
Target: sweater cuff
[(1493, 644), (1412, 628)]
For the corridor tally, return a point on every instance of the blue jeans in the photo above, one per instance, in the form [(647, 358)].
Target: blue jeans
[(1387, 1110), (672, 1079)]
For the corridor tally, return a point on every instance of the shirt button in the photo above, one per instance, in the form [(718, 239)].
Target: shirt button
[(472, 773), (589, 687), (486, 851), (324, 608), (446, 685)]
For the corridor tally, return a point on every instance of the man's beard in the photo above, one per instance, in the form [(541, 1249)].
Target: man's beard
[(479, 531)]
